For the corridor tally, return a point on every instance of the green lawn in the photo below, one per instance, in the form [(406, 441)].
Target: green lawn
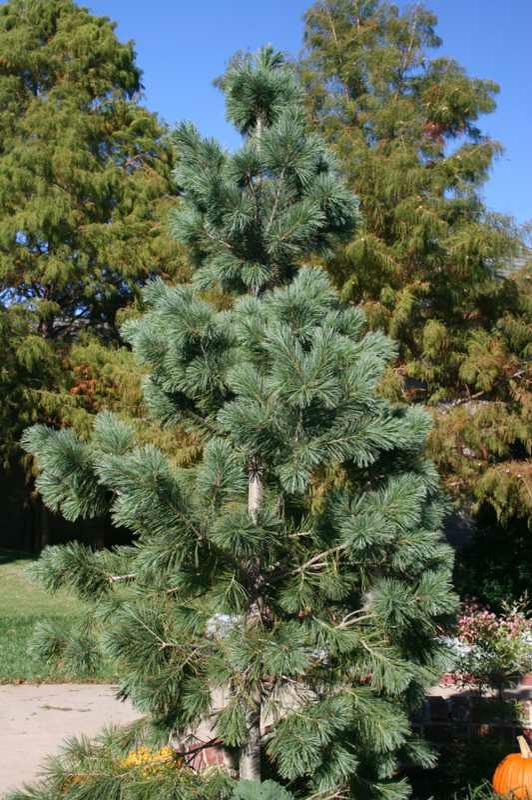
[(23, 603)]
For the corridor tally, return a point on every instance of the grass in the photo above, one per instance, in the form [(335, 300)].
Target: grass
[(23, 603)]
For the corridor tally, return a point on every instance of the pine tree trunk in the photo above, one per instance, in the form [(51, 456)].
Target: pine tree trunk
[(249, 766), (45, 528), (254, 495)]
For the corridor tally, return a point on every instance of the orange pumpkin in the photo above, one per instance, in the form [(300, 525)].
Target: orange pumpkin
[(513, 776)]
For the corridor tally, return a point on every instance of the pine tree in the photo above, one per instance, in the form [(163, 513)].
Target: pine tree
[(290, 587), (431, 265)]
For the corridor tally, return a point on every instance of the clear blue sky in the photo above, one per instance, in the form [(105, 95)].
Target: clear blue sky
[(183, 44)]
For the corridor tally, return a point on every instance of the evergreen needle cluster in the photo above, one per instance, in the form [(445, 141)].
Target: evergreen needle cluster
[(298, 571)]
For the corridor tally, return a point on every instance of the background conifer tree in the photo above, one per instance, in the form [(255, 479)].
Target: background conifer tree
[(84, 171), (431, 264), (290, 587), (85, 182)]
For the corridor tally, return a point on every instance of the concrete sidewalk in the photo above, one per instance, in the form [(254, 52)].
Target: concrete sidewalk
[(35, 720)]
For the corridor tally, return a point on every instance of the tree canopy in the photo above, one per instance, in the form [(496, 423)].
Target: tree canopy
[(84, 169), (85, 188), (431, 265)]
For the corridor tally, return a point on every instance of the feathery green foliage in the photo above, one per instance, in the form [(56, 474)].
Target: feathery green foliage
[(85, 181), (431, 265), (303, 628), (84, 169)]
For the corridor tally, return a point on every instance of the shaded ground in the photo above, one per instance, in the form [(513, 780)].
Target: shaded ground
[(35, 720)]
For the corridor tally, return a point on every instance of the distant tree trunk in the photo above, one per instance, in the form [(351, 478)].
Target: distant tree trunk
[(45, 528), (98, 537)]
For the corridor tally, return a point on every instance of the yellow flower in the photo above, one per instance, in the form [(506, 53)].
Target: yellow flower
[(151, 761)]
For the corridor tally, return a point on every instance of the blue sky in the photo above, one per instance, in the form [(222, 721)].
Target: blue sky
[(183, 44)]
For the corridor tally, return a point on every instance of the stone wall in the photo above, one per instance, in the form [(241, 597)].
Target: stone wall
[(451, 711)]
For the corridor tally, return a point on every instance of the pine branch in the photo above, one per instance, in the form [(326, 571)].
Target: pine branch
[(317, 560), (122, 578)]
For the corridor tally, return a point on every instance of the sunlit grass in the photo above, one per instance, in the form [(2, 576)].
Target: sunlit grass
[(23, 603)]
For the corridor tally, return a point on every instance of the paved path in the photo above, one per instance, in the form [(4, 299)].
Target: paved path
[(34, 721)]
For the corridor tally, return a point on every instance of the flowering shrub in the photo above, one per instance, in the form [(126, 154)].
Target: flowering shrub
[(492, 651)]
